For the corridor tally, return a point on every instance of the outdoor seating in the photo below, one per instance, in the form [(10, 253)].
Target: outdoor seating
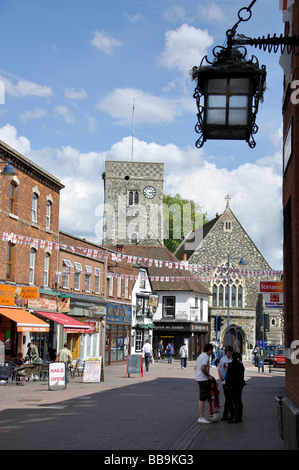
[(27, 370), (72, 368), (80, 366), (7, 372)]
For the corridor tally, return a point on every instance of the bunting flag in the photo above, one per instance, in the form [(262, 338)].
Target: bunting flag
[(203, 272)]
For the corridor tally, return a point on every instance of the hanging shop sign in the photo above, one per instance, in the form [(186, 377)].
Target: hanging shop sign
[(118, 314)]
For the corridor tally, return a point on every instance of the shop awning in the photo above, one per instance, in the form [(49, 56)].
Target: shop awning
[(25, 321), (69, 324)]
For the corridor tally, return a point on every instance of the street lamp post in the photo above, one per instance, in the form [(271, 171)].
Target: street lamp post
[(241, 262)]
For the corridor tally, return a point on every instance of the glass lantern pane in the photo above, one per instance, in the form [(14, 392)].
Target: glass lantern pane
[(217, 85), (238, 101), (216, 116), (237, 117), (216, 101), (239, 85)]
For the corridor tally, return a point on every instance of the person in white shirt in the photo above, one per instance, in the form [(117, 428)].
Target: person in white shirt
[(222, 368), (184, 355), (147, 351), (203, 377)]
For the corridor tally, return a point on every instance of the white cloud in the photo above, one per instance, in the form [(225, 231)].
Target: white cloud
[(105, 43), (36, 113), (9, 135), (184, 48), (149, 108), (134, 18), (65, 112), (25, 88), (72, 94), (212, 12)]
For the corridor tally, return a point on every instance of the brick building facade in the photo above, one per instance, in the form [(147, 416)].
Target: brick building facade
[(290, 64)]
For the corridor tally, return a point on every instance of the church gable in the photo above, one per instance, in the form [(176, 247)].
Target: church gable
[(225, 236)]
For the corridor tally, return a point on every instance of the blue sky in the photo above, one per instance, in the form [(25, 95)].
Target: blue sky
[(72, 71)]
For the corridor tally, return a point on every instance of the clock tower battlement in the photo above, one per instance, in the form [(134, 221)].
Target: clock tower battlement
[(133, 198)]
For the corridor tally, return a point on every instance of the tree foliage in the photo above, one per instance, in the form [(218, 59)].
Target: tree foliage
[(180, 217)]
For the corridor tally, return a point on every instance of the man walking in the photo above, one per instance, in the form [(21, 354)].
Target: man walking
[(147, 350), (183, 354), (65, 356), (203, 377)]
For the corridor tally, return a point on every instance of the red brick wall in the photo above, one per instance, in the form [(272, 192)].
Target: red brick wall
[(291, 223)]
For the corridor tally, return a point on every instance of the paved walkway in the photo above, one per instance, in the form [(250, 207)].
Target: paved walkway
[(155, 412)]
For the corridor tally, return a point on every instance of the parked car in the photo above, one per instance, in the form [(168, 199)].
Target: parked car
[(269, 353), (278, 359)]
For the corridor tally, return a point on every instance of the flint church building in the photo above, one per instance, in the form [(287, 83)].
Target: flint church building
[(133, 194)]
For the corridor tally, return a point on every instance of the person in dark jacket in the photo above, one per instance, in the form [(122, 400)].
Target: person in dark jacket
[(235, 383)]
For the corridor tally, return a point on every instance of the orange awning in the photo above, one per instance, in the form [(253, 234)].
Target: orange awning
[(24, 320)]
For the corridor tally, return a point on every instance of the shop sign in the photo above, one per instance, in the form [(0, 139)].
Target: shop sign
[(118, 314), (273, 294), (45, 302), (12, 296), (57, 376)]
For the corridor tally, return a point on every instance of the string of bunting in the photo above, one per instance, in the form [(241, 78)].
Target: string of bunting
[(205, 272)]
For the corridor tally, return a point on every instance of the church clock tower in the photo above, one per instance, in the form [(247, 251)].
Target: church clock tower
[(133, 198)]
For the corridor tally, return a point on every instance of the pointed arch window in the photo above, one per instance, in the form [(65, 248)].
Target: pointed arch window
[(224, 288)]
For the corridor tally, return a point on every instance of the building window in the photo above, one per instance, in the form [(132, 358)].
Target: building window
[(126, 287), (168, 307), (10, 262), (222, 289), (97, 278), (88, 272), (119, 286), (110, 278), (228, 226), (34, 207), (12, 198), (142, 279), (48, 214), (138, 342), (134, 239), (133, 198), (46, 270), (66, 266), (77, 274), (32, 266)]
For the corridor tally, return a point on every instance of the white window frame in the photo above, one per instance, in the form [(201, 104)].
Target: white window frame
[(97, 280), (88, 272), (66, 273), (46, 269), (48, 214), (77, 275), (32, 261), (34, 207)]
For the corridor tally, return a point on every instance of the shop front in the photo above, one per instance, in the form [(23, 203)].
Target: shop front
[(195, 335), (15, 324), (64, 329), (118, 331)]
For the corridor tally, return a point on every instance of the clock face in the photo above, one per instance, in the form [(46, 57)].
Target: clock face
[(149, 192)]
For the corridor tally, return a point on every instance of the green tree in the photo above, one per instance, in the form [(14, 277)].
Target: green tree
[(180, 217)]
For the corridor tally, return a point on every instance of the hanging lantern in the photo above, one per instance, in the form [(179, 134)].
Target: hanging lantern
[(231, 88)]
